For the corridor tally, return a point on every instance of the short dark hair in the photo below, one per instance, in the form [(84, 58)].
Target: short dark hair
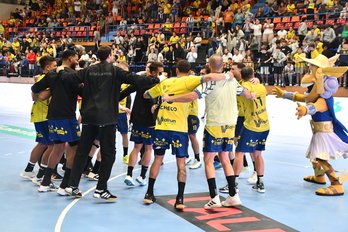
[(207, 69), (82, 63), (247, 73), (183, 66), (46, 60), (68, 53), (155, 65), (239, 65), (104, 52)]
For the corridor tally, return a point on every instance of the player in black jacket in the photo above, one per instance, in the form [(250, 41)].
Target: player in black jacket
[(99, 113), (143, 118)]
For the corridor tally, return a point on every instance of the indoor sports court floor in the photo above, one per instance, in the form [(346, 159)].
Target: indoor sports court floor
[(289, 203)]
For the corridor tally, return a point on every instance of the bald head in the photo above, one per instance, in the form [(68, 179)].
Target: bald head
[(215, 63)]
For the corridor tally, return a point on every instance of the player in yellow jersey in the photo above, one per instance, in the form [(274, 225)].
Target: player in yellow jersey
[(122, 122), (255, 129), (219, 129), (171, 125), (44, 145)]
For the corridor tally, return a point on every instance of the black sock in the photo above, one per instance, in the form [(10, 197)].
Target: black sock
[(47, 179), (216, 158), (66, 177), (254, 166), (130, 171), (245, 162), (197, 157), (96, 167), (150, 187), (125, 151), (30, 167), (231, 180), (88, 163), (55, 171), (232, 162), (181, 188), (212, 187), (42, 171), (143, 171)]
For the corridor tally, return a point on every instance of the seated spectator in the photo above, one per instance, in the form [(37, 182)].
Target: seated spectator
[(239, 17), (237, 57), (336, 9), (266, 10), (282, 9), (152, 55)]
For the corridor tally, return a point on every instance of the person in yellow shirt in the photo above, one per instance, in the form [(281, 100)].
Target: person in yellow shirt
[(167, 9), (319, 46), (299, 65), (290, 8), (121, 57), (16, 45), (246, 6), (174, 38), (313, 50), (2, 29)]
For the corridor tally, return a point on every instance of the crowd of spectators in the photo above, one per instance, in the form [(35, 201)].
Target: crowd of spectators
[(224, 27)]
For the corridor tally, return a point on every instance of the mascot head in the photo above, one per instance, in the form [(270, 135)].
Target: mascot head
[(321, 79)]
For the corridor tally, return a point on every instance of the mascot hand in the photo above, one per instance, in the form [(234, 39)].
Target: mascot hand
[(301, 110), (278, 92)]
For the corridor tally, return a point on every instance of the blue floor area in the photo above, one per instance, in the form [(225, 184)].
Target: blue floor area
[(288, 199)]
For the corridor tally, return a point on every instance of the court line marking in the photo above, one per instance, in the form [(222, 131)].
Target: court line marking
[(62, 215)]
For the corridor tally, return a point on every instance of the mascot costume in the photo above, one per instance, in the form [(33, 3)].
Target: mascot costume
[(329, 140)]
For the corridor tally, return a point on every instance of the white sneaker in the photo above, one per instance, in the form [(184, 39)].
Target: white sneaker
[(187, 160), (129, 181), (50, 188), (62, 192), (232, 201), (27, 175), (213, 203), (245, 170), (141, 181), (253, 178), (36, 180), (93, 176), (196, 164)]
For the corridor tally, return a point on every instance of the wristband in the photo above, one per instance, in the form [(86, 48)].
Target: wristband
[(311, 109), (289, 95), (227, 76)]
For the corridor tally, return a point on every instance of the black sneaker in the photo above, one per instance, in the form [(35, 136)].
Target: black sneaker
[(74, 191), (56, 176), (149, 198), (104, 194), (179, 203)]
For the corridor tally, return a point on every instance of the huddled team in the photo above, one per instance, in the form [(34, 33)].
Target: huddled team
[(164, 116)]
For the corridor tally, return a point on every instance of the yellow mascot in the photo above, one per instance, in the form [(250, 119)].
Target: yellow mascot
[(329, 140)]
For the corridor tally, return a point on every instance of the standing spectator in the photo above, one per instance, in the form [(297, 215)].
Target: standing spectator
[(31, 60), (302, 29), (35, 7), (328, 35), (192, 55), (247, 28), (266, 10), (257, 27), (288, 73), (264, 61), (278, 63), (167, 9), (77, 8), (96, 39), (311, 36), (210, 47), (268, 32), (228, 19), (344, 13)]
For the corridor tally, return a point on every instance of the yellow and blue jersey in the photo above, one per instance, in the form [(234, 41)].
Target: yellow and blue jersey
[(40, 108), (173, 116), (256, 117), (123, 102), (240, 103)]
